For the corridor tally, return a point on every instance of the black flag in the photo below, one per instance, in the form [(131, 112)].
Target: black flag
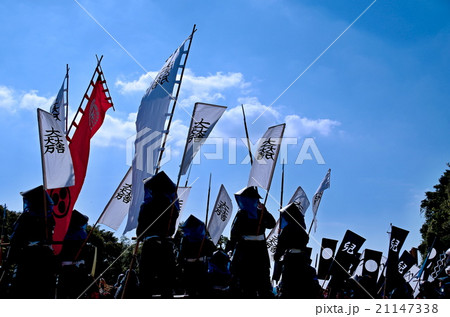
[(398, 237), (326, 258), (371, 265)]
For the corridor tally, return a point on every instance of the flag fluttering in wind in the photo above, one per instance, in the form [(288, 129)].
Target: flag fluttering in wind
[(266, 157), (300, 200), (58, 109), (56, 159), (204, 118), (318, 197), (221, 215), (92, 117), (117, 207), (150, 123)]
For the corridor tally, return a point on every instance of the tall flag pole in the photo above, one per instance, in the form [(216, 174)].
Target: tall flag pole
[(282, 185), (207, 201), (150, 127), (317, 198), (204, 119), (87, 122), (66, 103), (206, 218), (246, 135)]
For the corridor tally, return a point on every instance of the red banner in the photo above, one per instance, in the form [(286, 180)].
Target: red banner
[(91, 120)]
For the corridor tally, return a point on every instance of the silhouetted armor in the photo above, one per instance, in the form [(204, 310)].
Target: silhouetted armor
[(31, 247), (250, 264), (156, 225), (298, 278), (74, 275), (195, 250)]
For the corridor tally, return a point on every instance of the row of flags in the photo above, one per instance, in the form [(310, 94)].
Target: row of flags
[(385, 273), (65, 158), (65, 151)]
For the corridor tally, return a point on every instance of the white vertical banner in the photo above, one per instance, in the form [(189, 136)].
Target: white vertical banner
[(57, 107), (56, 159), (117, 207), (266, 157), (272, 239), (183, 195), (150, 122), (318, 196), (204, 118), (221, 215), (300, 200)]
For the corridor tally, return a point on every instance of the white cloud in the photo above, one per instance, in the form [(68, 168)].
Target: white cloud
[(207, 89), (115, 131), (31, 101), (7, 100), (212, 89), (297, 126), (139, 85), (12, 100)]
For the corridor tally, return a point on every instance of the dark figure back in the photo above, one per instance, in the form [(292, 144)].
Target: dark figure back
[(31, 250), (250, 264), (298, 278), (156, 225)]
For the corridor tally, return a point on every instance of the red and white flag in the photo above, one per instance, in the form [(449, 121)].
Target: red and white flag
[(92, 117)]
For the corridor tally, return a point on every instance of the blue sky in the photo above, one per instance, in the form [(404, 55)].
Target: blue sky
[(375, 103)]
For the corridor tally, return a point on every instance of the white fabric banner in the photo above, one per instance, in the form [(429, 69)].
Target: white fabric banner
[(221, 215), (266, 157), (117, 207), (204, 118), (57, 107), (183, 194), (150, 122), (300, 200), (318, 196), (272, 239), (412, 279), (56, 159)]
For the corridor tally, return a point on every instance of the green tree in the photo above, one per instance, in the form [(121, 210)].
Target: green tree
[(436, 209), (113, 256), (7, 220)]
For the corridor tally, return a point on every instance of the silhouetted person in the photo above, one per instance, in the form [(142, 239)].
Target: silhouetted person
[(156, 225), (250, 264), (31, 250), (298, 279), (195, 250)]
